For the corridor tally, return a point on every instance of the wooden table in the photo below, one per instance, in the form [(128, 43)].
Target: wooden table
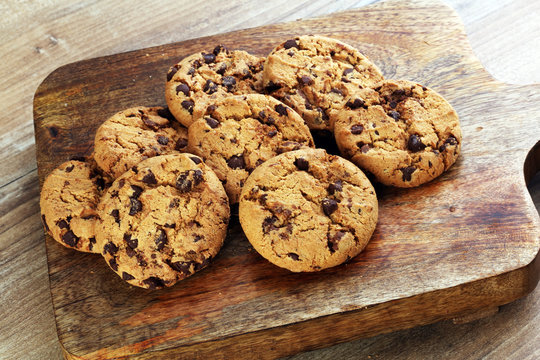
[(42, 36)]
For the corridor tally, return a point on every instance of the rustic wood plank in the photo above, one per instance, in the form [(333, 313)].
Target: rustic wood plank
[(480, 249), (66, 32)]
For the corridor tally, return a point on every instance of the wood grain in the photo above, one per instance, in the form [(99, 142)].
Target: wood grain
[(470, 245), (39, 36)]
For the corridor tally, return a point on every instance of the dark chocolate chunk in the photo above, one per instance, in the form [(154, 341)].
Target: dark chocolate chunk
[(268, 224), (183, 88), (281, 110), (335, 187), (213, 123), (127, 276), (163, 140), (293, 256), (137, 191), (290, 53), (271, 87), (305, 80), (228, 82), (191, 71), (181, 266), (236, 162), (329, 206), (110, 248), (195, 159), (183, 184), (62, 224), (171, 72), (398, 93), (154, 282), (270, 120), (219, 48), (301, 164), (197, 177), (336, 91), (198, 238), (407, 172), (222, 68), (394, 115), (151, 124), (113, 264), (188, 105), (393, 104), (209, 58), (334, 240), (355, 104), (161, 239), (347, 71), (415, 143), (116, 215), (357, 129), (290, 44), (165, 113), (135, 207), (70, 239), (210, 87), (180, 144), (272, 133), (70, 168), (149, 178)]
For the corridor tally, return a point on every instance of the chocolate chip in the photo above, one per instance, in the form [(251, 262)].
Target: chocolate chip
[(171, 72), (132, 243), (335, 187), (415, 144), (236, 162), (197, 177), (113, 264), (355, 104), (219, 48), (347, 71), (222, 68), (290, 53), (180, 144), (45, 223), (182, 88), (191, 71), (181, 266), (210, 87), (110, 248), (228, 82), (154, 282), (195, 159), (357, 129), (394, 115), (290, 44), (302, 164), (161, 239), (270, 120), (137, 191), (163, 140), (135, 207), (70, 239), (332, 53), (393, 104), (121, 183), (345, 80), (305, 80), (424, 88), (451, 140), (336, 91), (149, 178), (334, 240), (209, 58), (365, 148), (188, 105), (69, 168), (407, 172), (165, 113), (329, 206), (293, 256), (271, 87), (183, 184), (62, 224), (151, 124), (116, 215), (398, 93), (213, 123), (268, 224), (281, 110), (127, 276)]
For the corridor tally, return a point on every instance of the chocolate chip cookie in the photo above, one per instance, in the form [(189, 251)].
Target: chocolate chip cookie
[(68, 202), (307, 210), (402, 132), (238, 133), (163, 220), (313, 74), (208, 76), (132, 135)]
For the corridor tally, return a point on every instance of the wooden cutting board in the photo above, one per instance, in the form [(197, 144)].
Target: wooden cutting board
[(467, 241)]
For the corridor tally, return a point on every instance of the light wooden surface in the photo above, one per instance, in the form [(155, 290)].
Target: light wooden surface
[(39, 37)]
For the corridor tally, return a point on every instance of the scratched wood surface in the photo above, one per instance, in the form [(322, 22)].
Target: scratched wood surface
[(465, 242), (41, 35)]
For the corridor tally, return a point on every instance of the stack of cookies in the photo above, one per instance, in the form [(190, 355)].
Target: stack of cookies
[(154, 198)]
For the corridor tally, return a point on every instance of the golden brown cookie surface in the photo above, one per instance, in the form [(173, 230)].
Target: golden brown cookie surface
[(313, 74), (238, 133), (306, 210), (402, 132), (163, 220), (68, 202), (135, 134), (204, 76)]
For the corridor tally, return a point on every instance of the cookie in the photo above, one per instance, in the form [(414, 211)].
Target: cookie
[(402, 132), (313, 74), (208, 76), (68, 202), (132, 135), (238, 133), (163, 220), (307, 210)]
